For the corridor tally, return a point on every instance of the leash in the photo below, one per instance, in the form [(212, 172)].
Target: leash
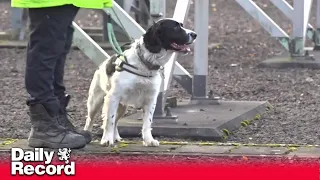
[(122, 59), (112, 37)]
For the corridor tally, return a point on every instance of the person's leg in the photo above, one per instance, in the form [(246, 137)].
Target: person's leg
[(60, 90), (48, 32)]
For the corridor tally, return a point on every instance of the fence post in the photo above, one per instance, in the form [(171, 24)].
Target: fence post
[(317, 31), (301, 11)]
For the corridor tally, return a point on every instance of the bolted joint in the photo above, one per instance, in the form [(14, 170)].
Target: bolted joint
[(168, 112), (296, 47)]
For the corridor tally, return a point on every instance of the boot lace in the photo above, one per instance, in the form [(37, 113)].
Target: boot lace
[(64, 120), (53, 124)]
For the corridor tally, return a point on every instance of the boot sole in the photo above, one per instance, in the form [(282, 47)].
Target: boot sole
[(39, 143)]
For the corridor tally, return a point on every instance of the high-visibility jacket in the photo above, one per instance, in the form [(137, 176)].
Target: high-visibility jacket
[(90, 4)]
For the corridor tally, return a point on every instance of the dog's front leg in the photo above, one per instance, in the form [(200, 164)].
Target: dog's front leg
[(109, 113), (148, 111)]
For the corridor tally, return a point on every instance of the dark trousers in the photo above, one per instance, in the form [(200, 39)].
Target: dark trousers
[(51, 34)]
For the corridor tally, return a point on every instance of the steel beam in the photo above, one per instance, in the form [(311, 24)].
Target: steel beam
[(317, 32), (200, 62), (301, 14), (158, 8), (143, 17), (180, 14), (127, 4), (318, 14), (287, 10), (19, 21), (88, 46), (265, 21), (130, 25)]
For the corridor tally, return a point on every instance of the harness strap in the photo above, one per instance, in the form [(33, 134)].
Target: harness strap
[(121, 61), (123, 65)]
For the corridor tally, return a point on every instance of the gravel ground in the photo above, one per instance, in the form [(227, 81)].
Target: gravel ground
[(292, 92)]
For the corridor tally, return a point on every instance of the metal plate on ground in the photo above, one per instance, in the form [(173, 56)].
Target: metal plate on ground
[(204, 122), (286, 61)]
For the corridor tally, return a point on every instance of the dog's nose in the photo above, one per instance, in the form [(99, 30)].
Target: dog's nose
[(193, 35)]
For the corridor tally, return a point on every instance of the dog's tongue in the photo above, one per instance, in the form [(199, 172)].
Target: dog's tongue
[(187, 48), (181, 47)]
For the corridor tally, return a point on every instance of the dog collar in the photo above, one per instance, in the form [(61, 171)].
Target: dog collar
[(149, 65), (121, 64)]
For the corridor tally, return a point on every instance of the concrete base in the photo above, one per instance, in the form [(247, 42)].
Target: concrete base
[(286, 61), (204, 122), (185, 148), (205, 100)]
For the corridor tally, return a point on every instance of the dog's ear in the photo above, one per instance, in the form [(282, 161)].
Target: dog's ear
[(151, 39)]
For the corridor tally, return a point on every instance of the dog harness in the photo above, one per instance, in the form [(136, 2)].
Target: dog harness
[(121, 64)]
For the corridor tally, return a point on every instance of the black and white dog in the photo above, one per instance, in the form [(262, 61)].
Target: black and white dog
[(135, 79)]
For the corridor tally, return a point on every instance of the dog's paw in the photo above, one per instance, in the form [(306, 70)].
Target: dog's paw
[(107, 141), (151, 143), (117, 138)]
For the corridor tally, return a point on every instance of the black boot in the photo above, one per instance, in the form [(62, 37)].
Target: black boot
[(64, 120), (46, 132)]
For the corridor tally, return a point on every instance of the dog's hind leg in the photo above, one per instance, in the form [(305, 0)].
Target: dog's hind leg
[(121, 112), (109, 114), (94, 103)]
